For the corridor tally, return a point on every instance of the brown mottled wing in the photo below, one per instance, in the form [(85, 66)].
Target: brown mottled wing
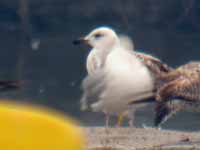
[(191, 66), (184, 88), (155, 65)]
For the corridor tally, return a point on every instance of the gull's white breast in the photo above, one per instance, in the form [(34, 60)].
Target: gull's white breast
[(128, 80), (93, 61)]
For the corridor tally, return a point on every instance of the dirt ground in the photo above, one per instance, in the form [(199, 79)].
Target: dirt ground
[(100, 138)]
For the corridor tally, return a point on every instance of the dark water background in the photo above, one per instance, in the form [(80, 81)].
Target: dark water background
[(36, 46)]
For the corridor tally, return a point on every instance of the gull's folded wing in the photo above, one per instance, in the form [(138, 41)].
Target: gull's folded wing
[(155, 65), (186, 88)]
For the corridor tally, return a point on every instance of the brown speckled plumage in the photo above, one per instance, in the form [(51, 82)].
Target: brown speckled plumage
[(155, 65), (183, 84)]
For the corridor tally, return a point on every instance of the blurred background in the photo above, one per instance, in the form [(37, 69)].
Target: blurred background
[(36, 46)]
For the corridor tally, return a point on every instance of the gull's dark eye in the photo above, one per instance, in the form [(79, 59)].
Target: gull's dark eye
[(98, 35)]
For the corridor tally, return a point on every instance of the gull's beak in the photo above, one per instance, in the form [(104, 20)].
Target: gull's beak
[(80, 41)]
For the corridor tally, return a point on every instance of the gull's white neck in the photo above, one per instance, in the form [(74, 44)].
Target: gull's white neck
[(103, 51)]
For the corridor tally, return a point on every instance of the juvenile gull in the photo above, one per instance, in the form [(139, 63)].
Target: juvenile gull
[(180, 91), (116, 75), (177, 90)]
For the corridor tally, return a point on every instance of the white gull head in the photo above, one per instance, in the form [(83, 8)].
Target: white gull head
[(102, 38)]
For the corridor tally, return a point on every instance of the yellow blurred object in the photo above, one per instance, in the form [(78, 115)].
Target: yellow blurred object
[(32, 128)]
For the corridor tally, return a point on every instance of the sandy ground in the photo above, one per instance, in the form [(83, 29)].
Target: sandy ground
[(99, 138)]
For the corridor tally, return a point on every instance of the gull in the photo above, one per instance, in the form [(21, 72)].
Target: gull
[(177, 90), (180, 90), (117, 75)]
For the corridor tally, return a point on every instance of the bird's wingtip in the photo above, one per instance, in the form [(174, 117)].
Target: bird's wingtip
[(163, 112)]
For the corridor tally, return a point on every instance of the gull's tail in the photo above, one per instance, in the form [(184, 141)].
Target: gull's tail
[(10, 85), (164, 110)]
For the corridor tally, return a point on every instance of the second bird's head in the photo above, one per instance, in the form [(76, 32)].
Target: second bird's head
[(99, 38)]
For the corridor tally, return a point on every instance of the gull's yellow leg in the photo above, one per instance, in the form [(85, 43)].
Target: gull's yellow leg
[(120, 119)]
